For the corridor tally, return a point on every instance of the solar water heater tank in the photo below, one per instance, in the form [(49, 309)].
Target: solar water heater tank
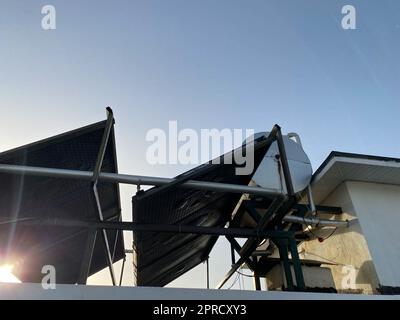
[(269, 174)]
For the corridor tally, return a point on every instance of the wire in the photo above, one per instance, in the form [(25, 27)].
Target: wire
[(234, 282), (263, 241), (326, 259), (310, 229), (245, 275), (330, 234), (321, 239)]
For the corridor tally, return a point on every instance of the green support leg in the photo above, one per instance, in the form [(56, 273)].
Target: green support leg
[(297, 265), (283, 254)]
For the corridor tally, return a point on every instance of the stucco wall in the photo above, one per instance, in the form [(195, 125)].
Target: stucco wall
[(346, 247), (377, 206)]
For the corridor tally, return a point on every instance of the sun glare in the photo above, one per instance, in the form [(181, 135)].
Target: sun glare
[(6, 274)]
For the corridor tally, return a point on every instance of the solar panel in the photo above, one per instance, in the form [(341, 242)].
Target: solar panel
[(30, 247), (160, 258)]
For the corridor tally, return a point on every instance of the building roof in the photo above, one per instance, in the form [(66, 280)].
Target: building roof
[(341, 166)]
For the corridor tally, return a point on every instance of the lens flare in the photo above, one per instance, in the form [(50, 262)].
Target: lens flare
[(6, 274)]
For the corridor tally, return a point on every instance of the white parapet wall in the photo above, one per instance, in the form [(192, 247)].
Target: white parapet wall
[(30, 291)]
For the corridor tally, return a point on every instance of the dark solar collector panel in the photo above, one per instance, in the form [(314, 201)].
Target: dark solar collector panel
[(160, 258), (30, 247)]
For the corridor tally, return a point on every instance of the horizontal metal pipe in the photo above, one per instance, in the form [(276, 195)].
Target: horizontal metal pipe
[(316, 221), (131, 226), (133, 179)]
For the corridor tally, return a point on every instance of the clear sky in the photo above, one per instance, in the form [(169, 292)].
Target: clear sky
[(223, 64)]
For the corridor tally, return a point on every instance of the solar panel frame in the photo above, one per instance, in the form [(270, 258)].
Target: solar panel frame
[(29, 257), (155, 269)]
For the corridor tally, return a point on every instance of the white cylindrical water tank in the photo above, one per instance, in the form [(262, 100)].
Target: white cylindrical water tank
[(269, 174)]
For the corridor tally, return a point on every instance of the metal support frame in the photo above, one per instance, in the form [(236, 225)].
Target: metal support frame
[(105, 239), (134, 179), (283, 246), (236, 247), (296, 264), (284, 161), (95, 178), (233, 258), (323, 209), (284, 256), (251, 244), (265, 225), (245, 233), (317, 222), (252, 213), (277, 210), (140, 180), (208, 272), (257, 282), (87, 256), (122, 271)]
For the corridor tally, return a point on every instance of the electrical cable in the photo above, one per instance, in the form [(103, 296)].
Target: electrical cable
[(245, 275), (326, 259), (330, 234), (234, 282), (310, 229)]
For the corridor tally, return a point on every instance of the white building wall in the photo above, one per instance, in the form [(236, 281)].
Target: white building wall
[(346, 248), (378, 209)]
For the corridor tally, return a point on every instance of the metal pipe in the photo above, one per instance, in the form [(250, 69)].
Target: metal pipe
[(311, 200), (134, 179), (131, 226), (316, 221), (103, 145)]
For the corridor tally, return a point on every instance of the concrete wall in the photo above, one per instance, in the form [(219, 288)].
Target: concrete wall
[(314, 277), (377, 206), (346, 247)]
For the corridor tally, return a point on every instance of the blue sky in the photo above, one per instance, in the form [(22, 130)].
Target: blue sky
[(206, 64)]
